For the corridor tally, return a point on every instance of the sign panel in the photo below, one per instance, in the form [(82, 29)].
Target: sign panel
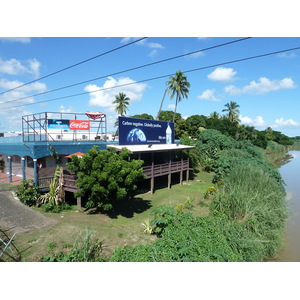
[(68, 124), (139, 131), (58, 124), (79, 125)]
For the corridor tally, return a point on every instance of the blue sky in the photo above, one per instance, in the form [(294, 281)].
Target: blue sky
[(267, 88)]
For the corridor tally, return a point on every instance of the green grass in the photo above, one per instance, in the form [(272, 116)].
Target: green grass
[(121, 227)]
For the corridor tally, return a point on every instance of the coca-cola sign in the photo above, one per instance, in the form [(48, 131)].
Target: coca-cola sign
[(79, 125)]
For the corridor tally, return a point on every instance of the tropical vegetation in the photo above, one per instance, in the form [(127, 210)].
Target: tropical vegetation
[(246, 217), (106, 176), (176, 86)]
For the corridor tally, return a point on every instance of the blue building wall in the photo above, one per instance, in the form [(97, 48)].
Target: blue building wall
[(10, 146), (14, 146)]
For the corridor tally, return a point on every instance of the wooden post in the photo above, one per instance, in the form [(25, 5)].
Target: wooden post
[(169, 175), (181, 171), (10, 168), (79, 203), (187, 171), (152, 174)]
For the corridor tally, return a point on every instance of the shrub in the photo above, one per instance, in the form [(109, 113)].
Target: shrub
[(105, 176), (85, 249), (28, 193), (163, 216), (50, 207)]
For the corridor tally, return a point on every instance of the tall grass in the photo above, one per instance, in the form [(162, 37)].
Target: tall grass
[(255, 199)]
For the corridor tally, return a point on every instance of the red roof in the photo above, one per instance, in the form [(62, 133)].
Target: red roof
[(79, 154)]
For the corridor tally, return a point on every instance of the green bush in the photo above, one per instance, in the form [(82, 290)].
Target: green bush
[(50, 207), (106, 176), (85, 249), (28, 193), (186, 239), (163, 216)]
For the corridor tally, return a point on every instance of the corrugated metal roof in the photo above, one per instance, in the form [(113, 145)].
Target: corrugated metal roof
[(151, 148)]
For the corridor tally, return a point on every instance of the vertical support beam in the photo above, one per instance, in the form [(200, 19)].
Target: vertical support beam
[(9, 169), (79, 203), (188, 171), (23, 169), (152, 173), (181, 172), (169, 175), (35, 172)]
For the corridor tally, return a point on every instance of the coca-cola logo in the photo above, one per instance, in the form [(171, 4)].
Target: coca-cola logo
[(79, 125)]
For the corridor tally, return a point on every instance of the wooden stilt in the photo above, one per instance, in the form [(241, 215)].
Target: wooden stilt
[(181, 172), (169, 175), (79, 203), (152, 174)]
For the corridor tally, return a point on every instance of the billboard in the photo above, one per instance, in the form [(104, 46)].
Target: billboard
[(68, 124), (139, 131)]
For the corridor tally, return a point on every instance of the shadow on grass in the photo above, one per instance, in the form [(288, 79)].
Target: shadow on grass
[(125, 208)]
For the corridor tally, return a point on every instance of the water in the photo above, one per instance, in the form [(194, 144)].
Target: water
[(290, 172)]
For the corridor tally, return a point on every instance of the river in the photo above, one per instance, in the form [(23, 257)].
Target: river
[(289, 168)]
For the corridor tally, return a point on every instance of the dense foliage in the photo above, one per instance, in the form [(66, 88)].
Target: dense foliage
[(86, 248), (194, 125), (105, 176), (247, 215), (28, 193)]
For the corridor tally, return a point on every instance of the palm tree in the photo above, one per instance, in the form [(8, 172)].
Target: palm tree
[(161, 104), (122, 102), (214, 115), (178, 85), (233, 112)]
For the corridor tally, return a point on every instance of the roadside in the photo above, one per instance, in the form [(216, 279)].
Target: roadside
[(17, 217)]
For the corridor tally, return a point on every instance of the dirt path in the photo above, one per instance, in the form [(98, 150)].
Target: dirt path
[(19, 218)]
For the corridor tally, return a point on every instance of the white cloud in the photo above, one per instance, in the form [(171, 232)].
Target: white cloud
[(16, 39), (16, 67), (222, 74), (155, 45), (12, 111), (63, 109), (208, 95), (33, 87), (281, 122), (144, 43), (287, 55), (263, 86), (171, 106), (257, 122), (106, 94), (153, 53)]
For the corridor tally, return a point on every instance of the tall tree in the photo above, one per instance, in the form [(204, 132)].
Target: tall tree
[(179, 86), (233, 112), (122, 102)]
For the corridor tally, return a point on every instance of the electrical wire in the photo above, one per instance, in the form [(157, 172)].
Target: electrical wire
[(128, 70), (74, 65), (160, 77)]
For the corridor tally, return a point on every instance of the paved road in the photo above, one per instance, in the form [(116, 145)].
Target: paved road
[(17, 217)]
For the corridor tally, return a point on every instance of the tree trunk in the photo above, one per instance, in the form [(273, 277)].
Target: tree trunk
[(162, 101), (175, 109)]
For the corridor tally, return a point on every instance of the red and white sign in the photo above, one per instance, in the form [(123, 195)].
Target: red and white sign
[(79, 125)]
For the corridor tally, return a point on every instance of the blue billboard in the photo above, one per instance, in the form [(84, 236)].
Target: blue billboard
[(139, 131), (58, 124)]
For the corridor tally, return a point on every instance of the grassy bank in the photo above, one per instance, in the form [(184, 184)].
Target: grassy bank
[(246, 217), (241, 219), (121, 227)]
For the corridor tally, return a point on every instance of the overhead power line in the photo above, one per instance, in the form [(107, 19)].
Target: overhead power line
[(160, 77), (131, 69), (74, 65)]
